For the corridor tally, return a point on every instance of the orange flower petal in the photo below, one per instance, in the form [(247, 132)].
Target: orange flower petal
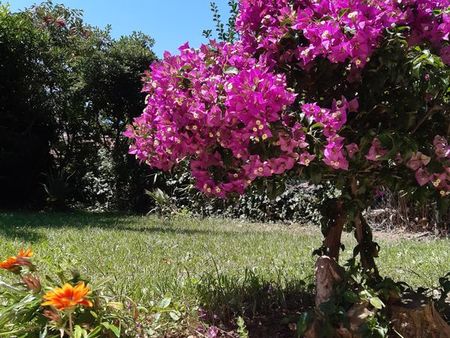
[(68, 296), (25, 253), (15, 262)]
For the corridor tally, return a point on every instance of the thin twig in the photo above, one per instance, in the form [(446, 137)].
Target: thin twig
[(427, 115)]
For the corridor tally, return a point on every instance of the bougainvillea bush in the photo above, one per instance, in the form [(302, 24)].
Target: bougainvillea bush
[(352, 93)]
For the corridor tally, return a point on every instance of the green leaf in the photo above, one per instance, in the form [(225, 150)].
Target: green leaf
[(43, 333), (241, 329), (376, 303), (157, 316), (303, 323), (164, 303), (114, 329), (382, 332), (316, 177), (115, 305), (350, 296), (231, 71), (79, 332), (316, 125), (95, 333), (175, 315)]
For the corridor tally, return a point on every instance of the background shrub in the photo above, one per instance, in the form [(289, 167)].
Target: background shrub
[(67, 90)]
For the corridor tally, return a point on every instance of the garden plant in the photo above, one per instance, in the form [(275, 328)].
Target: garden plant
[(60, 79), (30, 308), (350, 93)]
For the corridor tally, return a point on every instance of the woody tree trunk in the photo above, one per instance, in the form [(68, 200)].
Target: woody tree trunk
[(412, 315), (336, 218), (366, 248)]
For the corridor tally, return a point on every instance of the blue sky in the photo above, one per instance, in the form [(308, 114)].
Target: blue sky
[(169, 22)]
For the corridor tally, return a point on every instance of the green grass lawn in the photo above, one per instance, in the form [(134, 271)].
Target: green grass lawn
[(227, 265)]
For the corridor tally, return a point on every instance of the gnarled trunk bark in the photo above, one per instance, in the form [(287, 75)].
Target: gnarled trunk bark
[(416, 317), (413, 316), (367, 248), (332, 241)]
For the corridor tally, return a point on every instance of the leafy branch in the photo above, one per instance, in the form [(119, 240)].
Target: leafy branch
[(224, 32)]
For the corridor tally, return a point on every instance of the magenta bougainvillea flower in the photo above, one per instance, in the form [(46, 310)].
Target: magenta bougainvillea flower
[(229, 108), (376, 151)]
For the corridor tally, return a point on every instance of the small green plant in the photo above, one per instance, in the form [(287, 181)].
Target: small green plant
[(158, 319), (57, 189), (164, 205), (241, 329)]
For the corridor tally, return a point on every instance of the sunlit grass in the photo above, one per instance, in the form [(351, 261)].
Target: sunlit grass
[(196, 260)]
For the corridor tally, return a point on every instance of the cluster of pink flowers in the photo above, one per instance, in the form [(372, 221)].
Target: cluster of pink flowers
[(332, 120), (212, 105), (425, 24), (419, 162), (227, 108), (340, 30)]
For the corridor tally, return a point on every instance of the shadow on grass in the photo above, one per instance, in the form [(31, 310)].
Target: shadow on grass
[(22, 234), (24, 226), (77, 219), (269, 308)]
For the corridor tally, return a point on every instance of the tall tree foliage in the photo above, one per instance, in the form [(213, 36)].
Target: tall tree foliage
[(26, 124), (70, 89)]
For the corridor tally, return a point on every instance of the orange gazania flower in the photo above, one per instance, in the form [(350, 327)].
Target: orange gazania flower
[(25, 253), (15, 263), (68, 297)]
